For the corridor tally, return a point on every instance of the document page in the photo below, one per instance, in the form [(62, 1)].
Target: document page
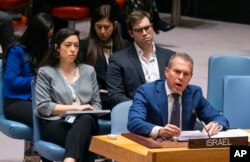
[(232, 133), (196, 134), (96, 112)]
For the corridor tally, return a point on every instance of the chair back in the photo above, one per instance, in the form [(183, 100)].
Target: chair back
[(10, 128), (13, 4), (104, 126), (19, 10), (36, 121), (236, 101), (44, 148), (119, 117), (220, 66)]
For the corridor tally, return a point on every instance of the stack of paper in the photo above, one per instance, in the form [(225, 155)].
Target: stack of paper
[(232, 133), (186, 135)]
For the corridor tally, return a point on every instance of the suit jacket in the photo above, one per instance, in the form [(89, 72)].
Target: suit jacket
[(52, 89), (125, 73), (150, 108)]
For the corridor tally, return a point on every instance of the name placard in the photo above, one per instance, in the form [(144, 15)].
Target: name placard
[(217, 142)]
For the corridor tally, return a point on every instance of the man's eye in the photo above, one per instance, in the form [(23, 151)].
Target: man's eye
[(187, 74), (138, 30), (106, 27), (178, 72)]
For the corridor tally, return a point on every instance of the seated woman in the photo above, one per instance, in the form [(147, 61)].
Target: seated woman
[(65, 85), (103, 41), (20, 64)]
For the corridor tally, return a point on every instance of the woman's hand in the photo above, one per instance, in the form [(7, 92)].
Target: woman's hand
[(85, 107)]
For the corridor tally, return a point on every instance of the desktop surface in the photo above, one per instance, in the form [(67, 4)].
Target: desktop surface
[(123, 150)]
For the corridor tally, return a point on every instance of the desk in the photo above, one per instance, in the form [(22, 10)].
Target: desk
[(126, 150)]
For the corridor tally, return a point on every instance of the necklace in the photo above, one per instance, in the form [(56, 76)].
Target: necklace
[(72, 86)]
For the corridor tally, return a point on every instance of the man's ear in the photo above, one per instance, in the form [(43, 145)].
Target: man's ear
[(130, 33), (166, 71), (55, 47), (115, 24)]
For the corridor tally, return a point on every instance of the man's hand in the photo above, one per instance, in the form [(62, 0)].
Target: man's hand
[(212, 128), (169, 131)]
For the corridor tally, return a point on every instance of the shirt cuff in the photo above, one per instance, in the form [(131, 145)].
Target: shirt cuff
[(154, 131)]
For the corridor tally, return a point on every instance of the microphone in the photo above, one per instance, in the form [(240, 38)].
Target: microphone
[(203, 126)]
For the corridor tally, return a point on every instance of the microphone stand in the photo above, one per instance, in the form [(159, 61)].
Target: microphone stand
[(203, 126)]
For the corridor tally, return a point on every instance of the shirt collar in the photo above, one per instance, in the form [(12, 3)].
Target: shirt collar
[(140, 52), (168, 90)]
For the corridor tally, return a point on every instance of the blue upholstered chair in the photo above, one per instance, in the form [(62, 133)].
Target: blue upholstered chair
[(236, 101), (44, 148), (10, 128), (220, 66), (104, 126), (119, 117)]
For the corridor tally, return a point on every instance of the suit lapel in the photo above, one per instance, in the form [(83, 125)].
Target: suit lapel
[(162, 101), (161, 63), (133, 57), (186, 108)]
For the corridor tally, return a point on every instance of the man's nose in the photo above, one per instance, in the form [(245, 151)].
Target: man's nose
[(181, 75), (144, 31), (102, 30)]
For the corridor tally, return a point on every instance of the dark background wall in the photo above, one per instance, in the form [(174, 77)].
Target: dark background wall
[(224, 10)]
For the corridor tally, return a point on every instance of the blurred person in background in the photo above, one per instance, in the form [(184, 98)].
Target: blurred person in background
[(104, 39), (150, 7), (6, 30)]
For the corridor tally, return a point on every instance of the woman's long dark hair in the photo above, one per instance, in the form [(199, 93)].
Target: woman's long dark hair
[(52, 58), (95, 49), (34, 39)]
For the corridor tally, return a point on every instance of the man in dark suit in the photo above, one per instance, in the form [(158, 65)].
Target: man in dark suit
[(150, 114), (140, 63)]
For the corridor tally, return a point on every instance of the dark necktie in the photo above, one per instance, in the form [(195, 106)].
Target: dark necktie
[(175, 115)]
